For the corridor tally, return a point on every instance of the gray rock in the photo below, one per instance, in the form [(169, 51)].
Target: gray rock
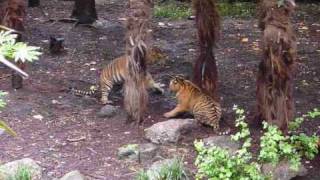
[(73, 175), (147, 151), (10, 169), (282, 171), (108, 111), (138, 152), (129, 151), (224, 142), (169, 131), (100, 2)]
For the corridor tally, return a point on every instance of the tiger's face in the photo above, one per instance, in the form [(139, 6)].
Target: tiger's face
[(176, 84), (155, 55)]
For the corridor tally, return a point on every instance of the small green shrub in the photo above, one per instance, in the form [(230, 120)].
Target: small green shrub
[(294, 125), (276, 147), (171, 171), (217, 163)]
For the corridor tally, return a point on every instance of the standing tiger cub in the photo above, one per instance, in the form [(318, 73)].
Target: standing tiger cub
[(191, 99), (117, 70)]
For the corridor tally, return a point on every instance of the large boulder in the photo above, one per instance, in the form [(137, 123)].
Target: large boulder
[(26, 165), (169, 131), (73, 175), (282, 171)]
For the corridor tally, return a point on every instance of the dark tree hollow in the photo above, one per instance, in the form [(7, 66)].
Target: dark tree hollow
[(33, 3)]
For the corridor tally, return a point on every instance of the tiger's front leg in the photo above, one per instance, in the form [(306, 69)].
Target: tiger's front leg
[(177, 110), (151, 84)]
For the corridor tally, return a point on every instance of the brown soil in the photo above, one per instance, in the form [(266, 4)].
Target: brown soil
[(70, 136)]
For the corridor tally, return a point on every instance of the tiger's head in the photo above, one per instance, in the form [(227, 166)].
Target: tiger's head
[(155, 54), (176, 83), (179, 82)]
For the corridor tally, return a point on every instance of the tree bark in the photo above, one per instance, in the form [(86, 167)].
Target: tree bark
[(12, 13), (139, 13), (205, 73), (274, 82), (85, 11)]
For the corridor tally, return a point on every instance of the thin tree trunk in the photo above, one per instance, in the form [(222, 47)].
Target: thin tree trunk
[(274, 82), (139, 13), (85, 11), (205, 73)]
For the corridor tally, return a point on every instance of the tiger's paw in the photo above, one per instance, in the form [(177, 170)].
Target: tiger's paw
[(104, 102), (168, 115)]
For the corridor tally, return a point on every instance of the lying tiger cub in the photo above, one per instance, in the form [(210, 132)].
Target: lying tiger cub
[(115, 72), (191, 99)]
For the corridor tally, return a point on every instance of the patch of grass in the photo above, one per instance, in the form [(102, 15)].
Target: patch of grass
[(175, 10), (171, 171), (23, 173), (237, 9), (172, 11)]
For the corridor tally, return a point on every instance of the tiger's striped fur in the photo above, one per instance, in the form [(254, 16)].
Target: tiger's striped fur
[(191, 99), (115, 73)]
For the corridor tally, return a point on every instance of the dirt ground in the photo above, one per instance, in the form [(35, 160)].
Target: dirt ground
[(68, 135)]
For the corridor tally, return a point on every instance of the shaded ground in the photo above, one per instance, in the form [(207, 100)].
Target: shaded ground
[(70, 135)]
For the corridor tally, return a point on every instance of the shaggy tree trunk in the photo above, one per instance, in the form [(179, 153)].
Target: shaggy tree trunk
[(12, 13), (139, 13), (85, 11), (34, 3), (205, 73), (274, 82)]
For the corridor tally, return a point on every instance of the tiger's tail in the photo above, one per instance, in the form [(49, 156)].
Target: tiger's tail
[(208, 25)]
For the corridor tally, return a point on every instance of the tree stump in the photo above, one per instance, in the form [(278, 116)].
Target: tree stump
[(84, 11)]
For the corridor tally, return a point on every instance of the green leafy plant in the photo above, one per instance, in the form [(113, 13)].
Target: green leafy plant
[(314, 114), (294, 125), (170, 171), (216, 163), (11, 49), (276, 147)]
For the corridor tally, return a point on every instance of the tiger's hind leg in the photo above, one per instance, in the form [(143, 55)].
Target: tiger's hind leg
[(105, 90), (151, 84)]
